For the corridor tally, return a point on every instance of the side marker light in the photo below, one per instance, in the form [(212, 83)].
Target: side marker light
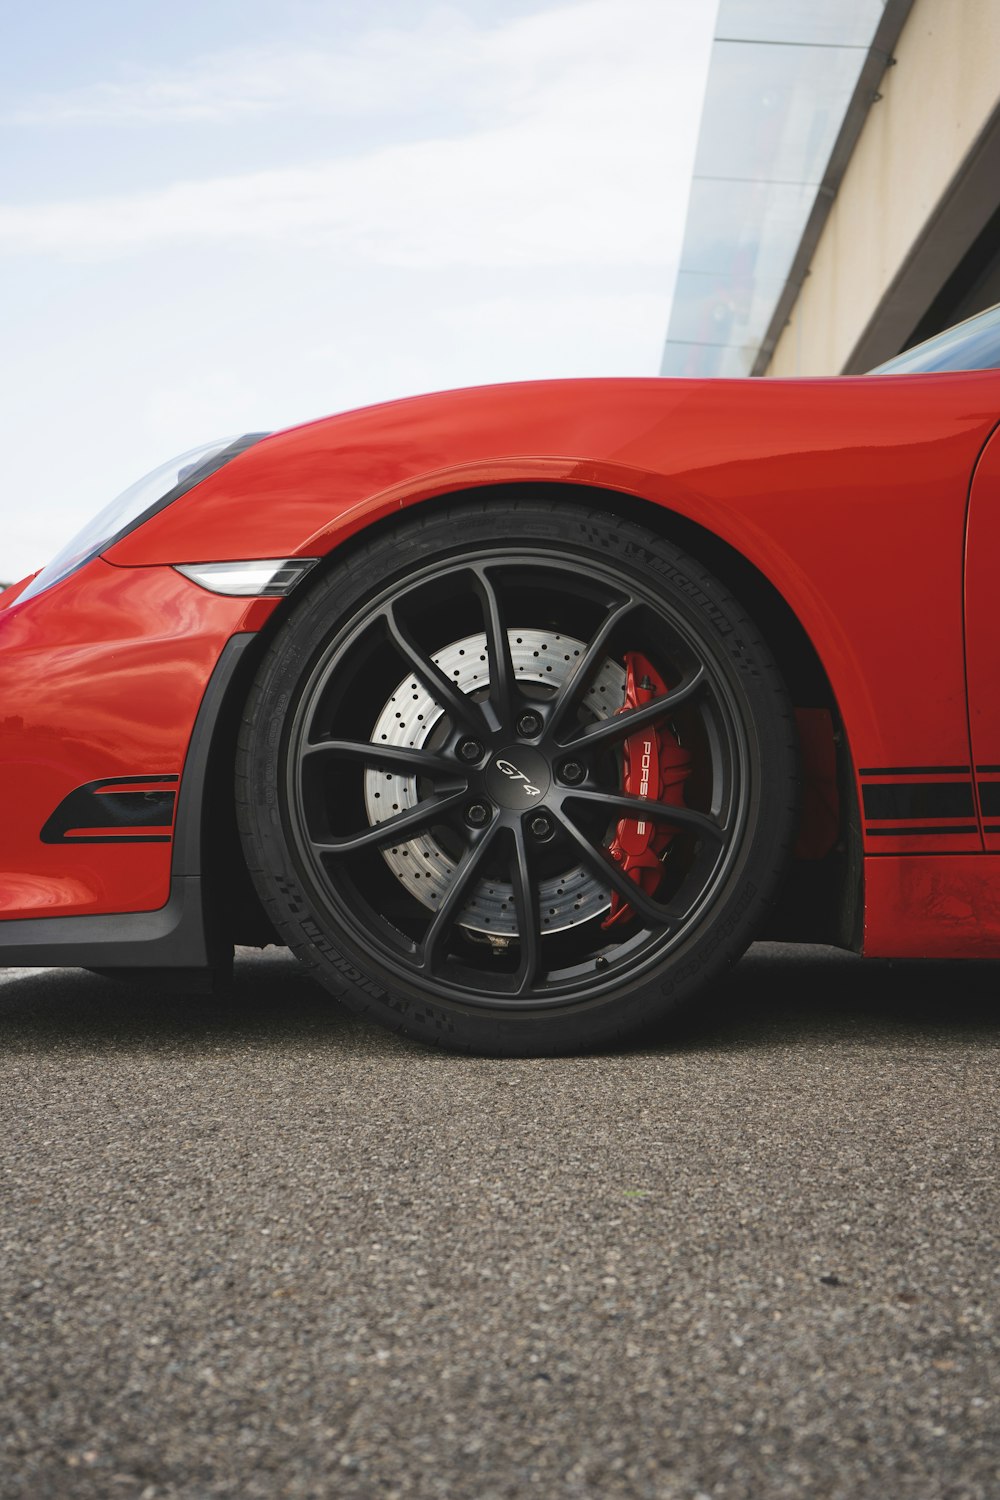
[(273, 576)]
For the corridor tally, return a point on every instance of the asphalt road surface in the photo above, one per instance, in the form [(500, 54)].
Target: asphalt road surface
[(252, 1247)]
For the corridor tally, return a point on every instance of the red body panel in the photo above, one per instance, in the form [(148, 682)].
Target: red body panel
[(932, 907), (983, 638), (100, 677), (849, 495)]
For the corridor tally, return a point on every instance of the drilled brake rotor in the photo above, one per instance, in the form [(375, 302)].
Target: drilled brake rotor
[(412, 717)]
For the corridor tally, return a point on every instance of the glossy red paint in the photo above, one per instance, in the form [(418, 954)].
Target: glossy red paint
[(983, 637), (849, 495), (100, 677), (932, 906)]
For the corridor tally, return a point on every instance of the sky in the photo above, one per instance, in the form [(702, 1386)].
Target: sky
[(221, 216)]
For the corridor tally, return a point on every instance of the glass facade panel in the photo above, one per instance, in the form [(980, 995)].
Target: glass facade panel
[(750, 228), (711, 309), (848, 23), (700, 361), (781, 78), (774, 112)]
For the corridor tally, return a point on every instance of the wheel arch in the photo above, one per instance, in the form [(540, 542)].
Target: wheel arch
[(787, 637)]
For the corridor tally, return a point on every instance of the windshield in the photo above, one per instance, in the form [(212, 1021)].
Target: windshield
[(972, 345)]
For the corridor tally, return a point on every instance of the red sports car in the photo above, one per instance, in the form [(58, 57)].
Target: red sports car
[(518, 712)]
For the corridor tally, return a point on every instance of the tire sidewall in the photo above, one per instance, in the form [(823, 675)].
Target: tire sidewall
[(721, 931)]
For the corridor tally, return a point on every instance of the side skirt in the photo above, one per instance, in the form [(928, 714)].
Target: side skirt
[(932, 906), (172, 937)]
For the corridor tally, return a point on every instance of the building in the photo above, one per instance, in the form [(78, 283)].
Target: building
[(845, 202)]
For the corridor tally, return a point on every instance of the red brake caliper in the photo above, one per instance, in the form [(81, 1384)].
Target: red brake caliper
[(656, 767)]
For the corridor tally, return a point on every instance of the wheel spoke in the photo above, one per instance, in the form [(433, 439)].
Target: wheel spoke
[(428, 810), (444, 918), (405, 756), (467, 693), (526, 904), (459, 706), (501, 694), (656, 812), (608, 869), (575, 685), (620, 725)]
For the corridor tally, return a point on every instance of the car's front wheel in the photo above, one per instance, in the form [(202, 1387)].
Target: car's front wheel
[(517, 779)]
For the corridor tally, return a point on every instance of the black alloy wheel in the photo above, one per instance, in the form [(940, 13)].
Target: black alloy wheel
[(449, 749)]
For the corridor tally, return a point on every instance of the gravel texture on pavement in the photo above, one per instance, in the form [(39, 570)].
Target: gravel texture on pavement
[(253, 1247)]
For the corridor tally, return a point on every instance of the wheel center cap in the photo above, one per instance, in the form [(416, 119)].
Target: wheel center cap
[(518, 778)]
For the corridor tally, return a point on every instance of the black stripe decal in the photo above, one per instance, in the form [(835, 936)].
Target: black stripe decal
[(931, 832), (920, 799), (985, 770), (918, 770), (989, 798), (128, 839)]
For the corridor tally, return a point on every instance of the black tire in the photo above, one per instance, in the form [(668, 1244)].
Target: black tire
[(471, 910)]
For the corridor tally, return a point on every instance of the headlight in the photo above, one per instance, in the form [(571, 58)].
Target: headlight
[(136, 504)]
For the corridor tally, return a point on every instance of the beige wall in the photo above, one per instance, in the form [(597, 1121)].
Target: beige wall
[(936, 101)]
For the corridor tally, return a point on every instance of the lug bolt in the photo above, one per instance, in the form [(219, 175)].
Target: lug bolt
[(572, 772), (541, 826), (477, 814), (529, 725), (470, 751)]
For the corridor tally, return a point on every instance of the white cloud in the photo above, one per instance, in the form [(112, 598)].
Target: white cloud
[(578, 170), (517, 217), (532, 194), (230, 87), (440, 57)]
